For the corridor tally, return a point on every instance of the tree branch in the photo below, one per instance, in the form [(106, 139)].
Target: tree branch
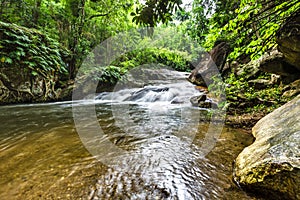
[(98, 15), (262, 16)]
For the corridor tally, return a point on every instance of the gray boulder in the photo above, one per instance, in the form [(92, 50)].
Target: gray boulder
[(276, 63), (212, 64), (292, 89), (271, 165), (249, 71)]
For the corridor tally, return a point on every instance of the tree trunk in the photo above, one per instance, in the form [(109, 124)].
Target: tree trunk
[(36, 13)]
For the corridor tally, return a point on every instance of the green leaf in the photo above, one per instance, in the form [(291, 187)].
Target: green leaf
[(8, 60), (34, 73)]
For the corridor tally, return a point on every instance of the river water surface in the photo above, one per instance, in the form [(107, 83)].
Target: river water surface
[(44, 157)]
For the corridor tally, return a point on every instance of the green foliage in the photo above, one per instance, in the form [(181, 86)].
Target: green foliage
[(217, 88), (154, 11), (207, 17), (198, 24), (168, 46), (172, 59), (252, 31), (30, 49), (115, 72), (77, 25), (109, 74), (240, 94)]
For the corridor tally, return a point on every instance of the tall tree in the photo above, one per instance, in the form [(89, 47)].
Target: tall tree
[(78, 25), (154, 11), (85, 19)]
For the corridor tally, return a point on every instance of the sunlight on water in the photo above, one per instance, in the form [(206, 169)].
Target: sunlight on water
[(42, 156)]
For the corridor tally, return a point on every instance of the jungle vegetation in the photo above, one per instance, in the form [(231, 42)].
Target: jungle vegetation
[(72, 28)]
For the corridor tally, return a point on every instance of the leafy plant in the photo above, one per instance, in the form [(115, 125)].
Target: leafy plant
[(240, 94), (29, 49), (252, 31)]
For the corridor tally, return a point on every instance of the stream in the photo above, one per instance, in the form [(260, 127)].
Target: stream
[(158, 139)]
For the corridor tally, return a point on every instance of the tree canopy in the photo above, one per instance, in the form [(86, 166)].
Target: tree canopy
[(79, 25)]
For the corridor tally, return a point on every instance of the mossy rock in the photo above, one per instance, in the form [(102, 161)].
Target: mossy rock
[(271, 165)]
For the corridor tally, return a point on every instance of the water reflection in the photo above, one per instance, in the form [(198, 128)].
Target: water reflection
[(42, 157)]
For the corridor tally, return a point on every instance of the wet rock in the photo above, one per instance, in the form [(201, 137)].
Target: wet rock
[(288, 40), (203, 101), (197, 99), (271, 165), (178, 100), (140, 94), (211, 64)]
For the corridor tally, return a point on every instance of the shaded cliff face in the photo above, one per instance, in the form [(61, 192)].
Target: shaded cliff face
[(30, 66), (288, 40), (20, 86), (285, 62)]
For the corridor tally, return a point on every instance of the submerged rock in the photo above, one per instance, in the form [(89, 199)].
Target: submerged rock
[(145, 95), (271, 165)]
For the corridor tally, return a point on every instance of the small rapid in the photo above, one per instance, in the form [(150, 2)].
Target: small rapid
[(166, 86), (173, 93)]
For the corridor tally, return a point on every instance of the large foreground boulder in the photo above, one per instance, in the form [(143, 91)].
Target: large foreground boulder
[(271, 165)]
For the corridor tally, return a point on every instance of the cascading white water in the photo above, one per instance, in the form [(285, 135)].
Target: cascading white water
[(170, 87)]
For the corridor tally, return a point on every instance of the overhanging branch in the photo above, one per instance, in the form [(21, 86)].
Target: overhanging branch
[(98, 15)]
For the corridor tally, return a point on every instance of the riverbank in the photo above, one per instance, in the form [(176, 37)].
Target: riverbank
[(245, 121)]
